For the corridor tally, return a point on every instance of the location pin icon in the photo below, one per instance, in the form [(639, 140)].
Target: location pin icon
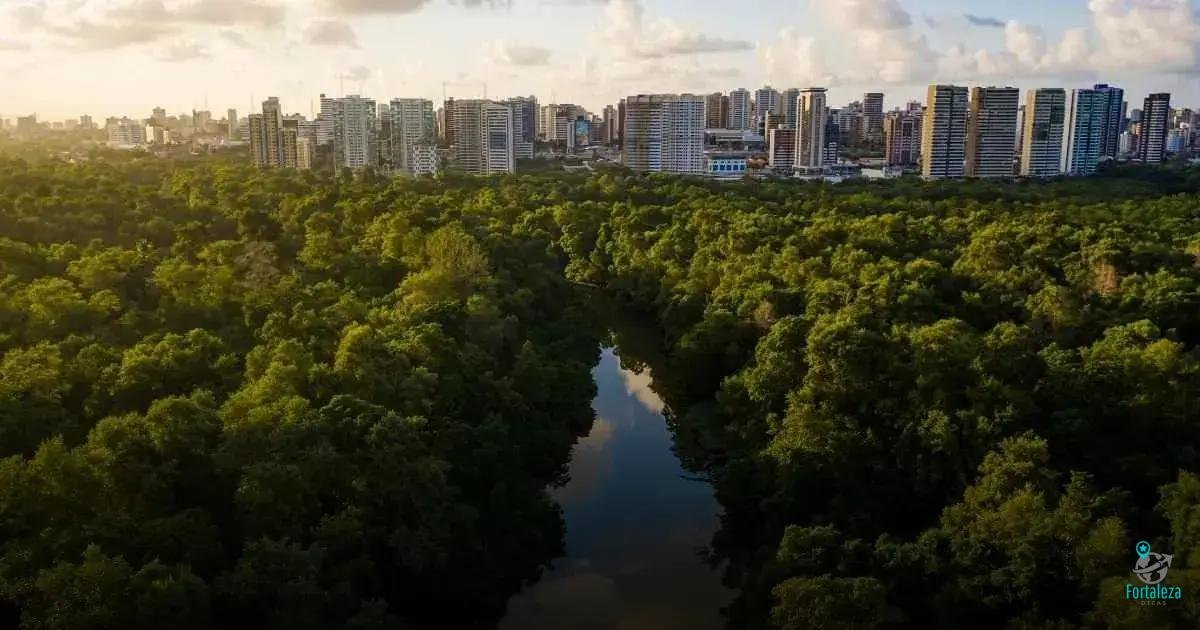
[(1143, 549)]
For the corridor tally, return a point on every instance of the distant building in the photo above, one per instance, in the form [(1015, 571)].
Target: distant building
[(781, 149), (664, 133), (902, 138), (85, 122), (810, 128), (766, 102), (126, 133), (231, 124), (943, 132), (306, 152), (725, 165), (991, 125), (1114, 120), (872, 115), (1156, 114), (484, 137), (1083, 131), (354, 133), (412, 128), (790, 97), (716, 110), (740, 109), (833, 143), (525, 115), (1042, 140), (290, 137)]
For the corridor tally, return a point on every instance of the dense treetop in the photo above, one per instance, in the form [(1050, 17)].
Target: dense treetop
[(232, 398)]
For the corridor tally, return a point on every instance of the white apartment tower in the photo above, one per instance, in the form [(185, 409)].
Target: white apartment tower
[(483, 136), (413, 126), (664, 133), (1042, 139), (944, 131), (991, 126), (811, 115), (354, 137)]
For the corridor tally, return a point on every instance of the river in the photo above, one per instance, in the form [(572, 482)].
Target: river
[(637, 525)]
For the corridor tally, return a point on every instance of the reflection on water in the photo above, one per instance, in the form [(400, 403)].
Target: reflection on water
[(636, 526)]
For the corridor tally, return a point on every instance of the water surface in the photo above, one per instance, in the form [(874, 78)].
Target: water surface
[(637, 526)]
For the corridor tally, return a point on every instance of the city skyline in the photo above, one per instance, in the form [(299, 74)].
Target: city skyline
[(123, 57)]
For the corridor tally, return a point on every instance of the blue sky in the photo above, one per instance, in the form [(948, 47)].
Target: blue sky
[(60, 58)]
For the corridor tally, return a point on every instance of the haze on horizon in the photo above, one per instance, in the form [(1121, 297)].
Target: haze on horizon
[(62, 58)]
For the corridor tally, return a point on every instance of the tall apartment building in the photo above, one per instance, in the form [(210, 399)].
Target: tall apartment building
[(789, 99), (664, 133), (716, 110), (1083, 131), (231, 124), (306, 152), (412, 127), (325, 120), (781, 146), (811, 117), (872, 112), (85, 122), (1042, 141), (354, 133), (944, 132), (991, 125), (126, 132), (272, 131), (740, 109), (612, 124), (766, 103), (1156, 117), (525, 122), (484, 136), (1114, 119), (902, 138), (289, 136), (833, 142)]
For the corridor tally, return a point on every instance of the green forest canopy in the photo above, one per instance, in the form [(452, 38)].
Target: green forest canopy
[(232, 398)]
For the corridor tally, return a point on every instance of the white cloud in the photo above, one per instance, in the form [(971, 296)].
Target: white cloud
[(330, 33), (507, 52), (182, 51), (794, 59), (881, 41), (1160, 35), (629, 34)]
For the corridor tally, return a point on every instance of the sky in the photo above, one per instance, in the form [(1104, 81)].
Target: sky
[(63, 58)]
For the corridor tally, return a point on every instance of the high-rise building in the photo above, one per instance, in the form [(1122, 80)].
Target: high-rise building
[(484, 136), (289, 136), (944, 132), (1083, 131), (325, 120), (306, 152), (231, 124), (354, 133), (810, 128), (716, 110), (126, 133), (612, 124), (412, 126), (1156, 116), (525, 115), (872, 112), (272, 132), (1042, 141), (1114, 119), (789, 99), (740, 109), (902, 138), (781, 144), (991, 125), (158, 115), (664, 133), (833, 142), (85, 122), (766, 102)]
